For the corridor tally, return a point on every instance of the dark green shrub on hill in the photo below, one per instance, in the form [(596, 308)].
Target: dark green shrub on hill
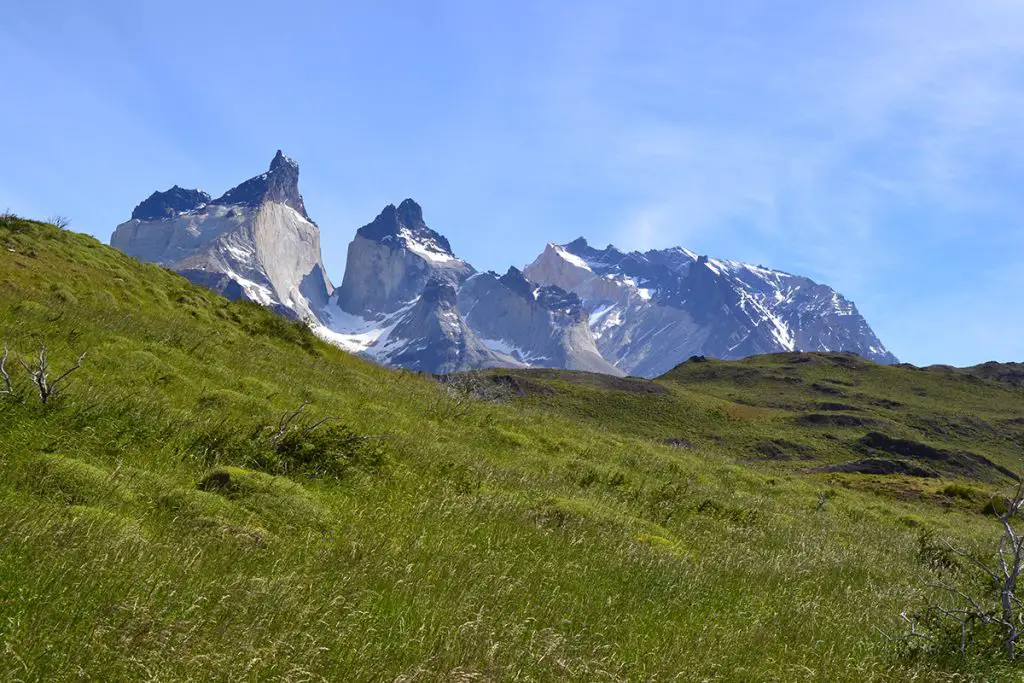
[(316, 451)]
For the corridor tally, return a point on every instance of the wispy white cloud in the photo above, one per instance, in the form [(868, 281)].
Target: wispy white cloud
[(886, 103)]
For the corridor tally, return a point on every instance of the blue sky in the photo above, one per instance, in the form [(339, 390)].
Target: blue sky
[(877, 146)]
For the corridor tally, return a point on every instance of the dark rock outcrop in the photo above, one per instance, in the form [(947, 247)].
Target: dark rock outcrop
[(169, 204)]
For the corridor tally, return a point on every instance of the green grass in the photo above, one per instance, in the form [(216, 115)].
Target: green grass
[(150, 528)]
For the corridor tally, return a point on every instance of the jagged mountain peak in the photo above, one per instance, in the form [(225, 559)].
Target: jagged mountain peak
[(255, 241), (281, 160), (176, 200), (410, 214), (404, 226), (279, 184), (646, 308), (517, 282)]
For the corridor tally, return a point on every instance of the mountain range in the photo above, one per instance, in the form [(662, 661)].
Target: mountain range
[(407, 300)]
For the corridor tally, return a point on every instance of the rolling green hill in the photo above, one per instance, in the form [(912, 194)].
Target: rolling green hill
[(166, 517)]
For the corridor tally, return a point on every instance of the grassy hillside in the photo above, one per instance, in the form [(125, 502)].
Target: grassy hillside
[(157, 523)]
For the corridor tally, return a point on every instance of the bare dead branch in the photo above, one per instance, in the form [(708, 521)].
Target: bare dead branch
[(64, 375), (1000, 608), (39, 371), (7, 388), (316, 424), (286, 420)]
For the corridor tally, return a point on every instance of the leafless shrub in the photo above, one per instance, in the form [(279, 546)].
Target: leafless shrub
[(997, 610), (62, 222), (39, 371), (288, 424)]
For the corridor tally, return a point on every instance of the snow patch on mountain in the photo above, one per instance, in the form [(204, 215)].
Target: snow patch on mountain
[(571, 257), (427, 248)]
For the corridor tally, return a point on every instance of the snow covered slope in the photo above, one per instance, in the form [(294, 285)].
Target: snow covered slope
[(650, 311)]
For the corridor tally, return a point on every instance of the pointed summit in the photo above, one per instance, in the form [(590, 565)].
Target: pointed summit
[(517, 282), (254, 242), (405, 225), (577, 245), (279, 184), (411, 214), (281, 160)]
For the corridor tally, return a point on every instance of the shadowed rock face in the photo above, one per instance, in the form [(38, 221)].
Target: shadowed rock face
[(254, 242), (543, 326), (437, 338), (170, 203)]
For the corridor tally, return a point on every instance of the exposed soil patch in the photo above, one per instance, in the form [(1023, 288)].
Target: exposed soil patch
[(218, 480), (520, 386), (496, 387), (836, 420), (764, 403), (960, 463), (840, 359), (879, 466)]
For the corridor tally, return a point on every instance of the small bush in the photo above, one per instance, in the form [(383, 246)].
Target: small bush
[(961, 491), (326, 452), (320, 451), (58, 221), (934, 554), (733, 513)]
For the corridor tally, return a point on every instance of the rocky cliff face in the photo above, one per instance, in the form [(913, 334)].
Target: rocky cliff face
[(542, 326), (391, 259), (650, 311), (437, 339), (407, 300), (255, 241)]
